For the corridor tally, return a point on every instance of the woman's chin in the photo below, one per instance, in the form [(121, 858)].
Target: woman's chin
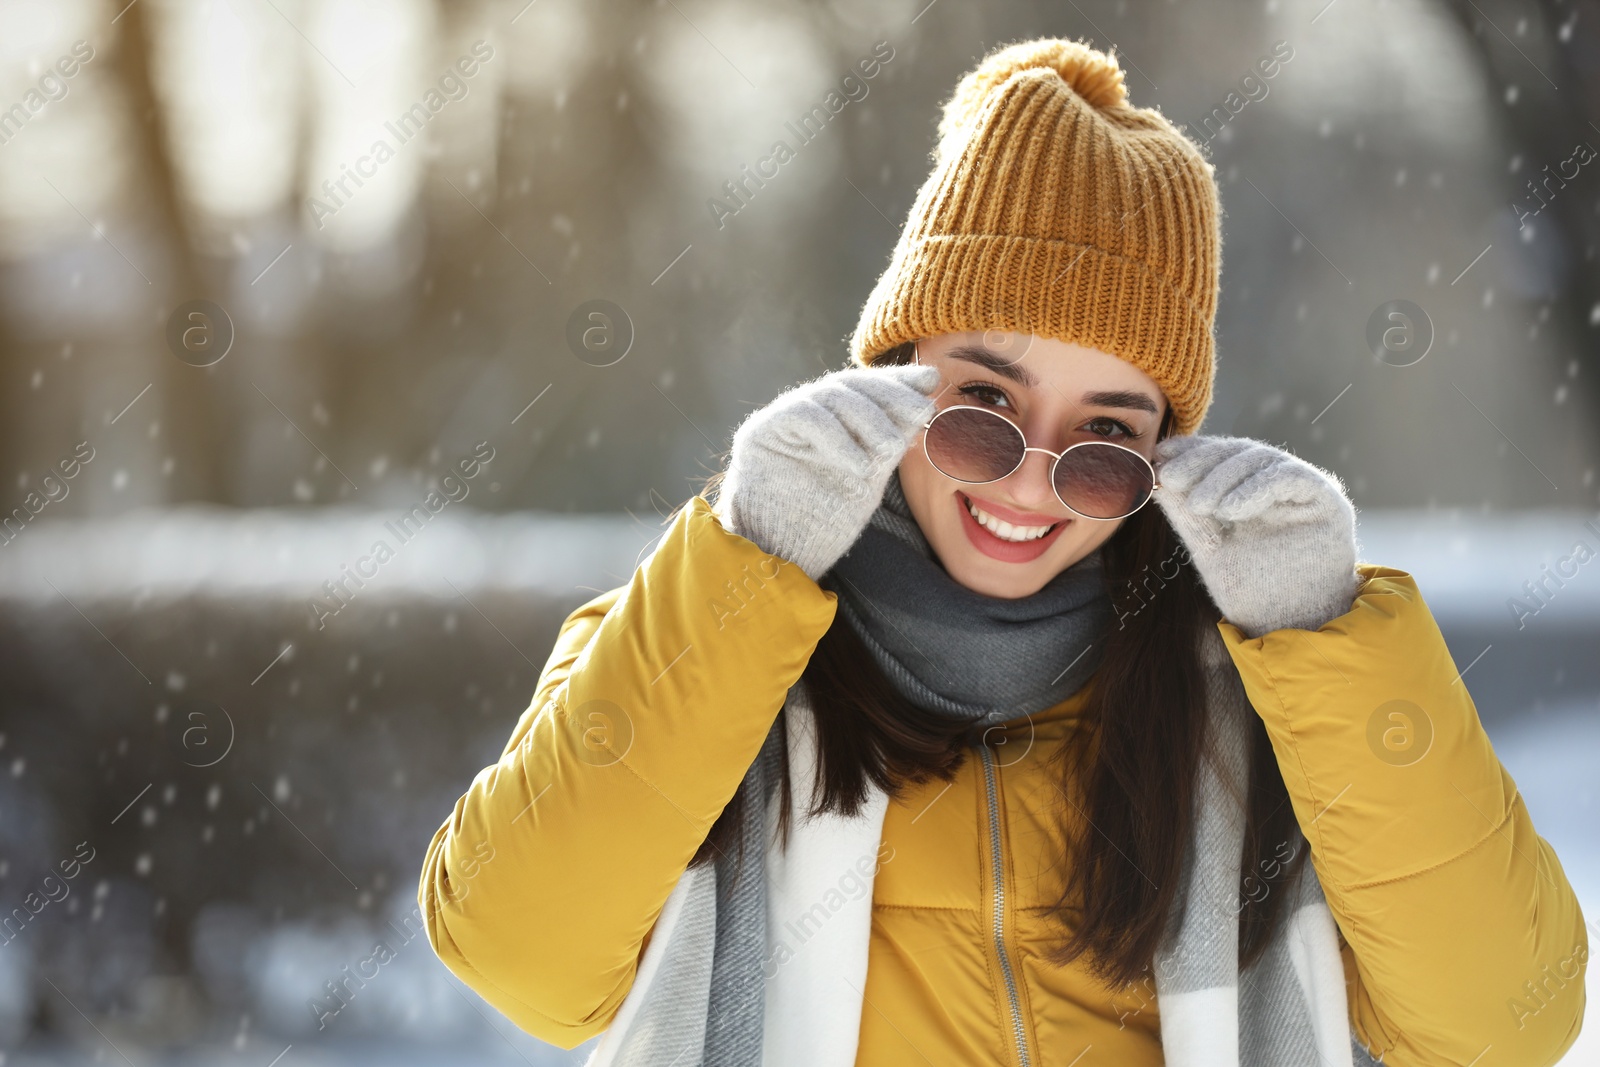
[(982, 573), (991, 577)]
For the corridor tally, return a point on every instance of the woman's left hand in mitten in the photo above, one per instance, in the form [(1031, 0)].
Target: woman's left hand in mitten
[(1272, 536)]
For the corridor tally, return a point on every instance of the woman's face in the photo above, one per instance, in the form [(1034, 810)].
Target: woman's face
[(1058, 394)]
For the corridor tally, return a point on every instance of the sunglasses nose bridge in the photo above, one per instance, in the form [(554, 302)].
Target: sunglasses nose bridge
[(1051, 459)]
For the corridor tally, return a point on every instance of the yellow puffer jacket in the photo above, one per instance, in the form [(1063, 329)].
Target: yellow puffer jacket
[(1462, 939)]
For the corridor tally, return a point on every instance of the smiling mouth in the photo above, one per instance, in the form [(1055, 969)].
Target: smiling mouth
[(1006, 531)]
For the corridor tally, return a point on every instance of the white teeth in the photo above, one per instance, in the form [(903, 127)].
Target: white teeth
[(1005, 530)]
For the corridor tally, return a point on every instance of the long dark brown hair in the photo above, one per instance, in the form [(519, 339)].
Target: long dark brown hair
[(1128, 769)]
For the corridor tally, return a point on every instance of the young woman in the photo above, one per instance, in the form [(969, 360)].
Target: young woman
[(930, 740)]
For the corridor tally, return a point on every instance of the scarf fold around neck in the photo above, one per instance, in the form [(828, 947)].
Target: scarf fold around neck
[(715, 987), (960, 653)]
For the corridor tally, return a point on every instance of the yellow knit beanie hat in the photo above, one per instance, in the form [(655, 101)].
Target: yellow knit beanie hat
[(1056, 208)]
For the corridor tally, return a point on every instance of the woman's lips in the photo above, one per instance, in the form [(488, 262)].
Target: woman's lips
[(1012, 515), (999, 548)]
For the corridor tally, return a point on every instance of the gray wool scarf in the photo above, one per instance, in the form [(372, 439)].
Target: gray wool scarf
[(702, 997)]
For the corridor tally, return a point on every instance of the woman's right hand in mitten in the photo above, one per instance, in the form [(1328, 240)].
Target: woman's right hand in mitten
[(808, 470)]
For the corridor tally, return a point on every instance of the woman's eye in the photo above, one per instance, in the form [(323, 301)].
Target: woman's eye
[(986, 394), (1105, 426)]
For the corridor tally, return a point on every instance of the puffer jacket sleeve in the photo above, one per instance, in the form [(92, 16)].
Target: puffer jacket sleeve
[(1465, 938), (541, 888)]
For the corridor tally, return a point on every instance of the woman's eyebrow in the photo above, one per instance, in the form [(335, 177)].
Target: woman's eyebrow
[(995, 362), (1121, 398), (1131, 399)]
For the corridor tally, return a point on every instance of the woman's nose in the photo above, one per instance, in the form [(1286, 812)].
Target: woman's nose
[(1030, 483)]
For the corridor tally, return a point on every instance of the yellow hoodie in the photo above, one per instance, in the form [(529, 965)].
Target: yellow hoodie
[(1462, 940)]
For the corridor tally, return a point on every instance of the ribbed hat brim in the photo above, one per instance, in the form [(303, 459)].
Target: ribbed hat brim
[(944, 284)]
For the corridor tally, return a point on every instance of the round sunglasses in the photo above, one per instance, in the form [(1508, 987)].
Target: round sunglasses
[(1092, 479)]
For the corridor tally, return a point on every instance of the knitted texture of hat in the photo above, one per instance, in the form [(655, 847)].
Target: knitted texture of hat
[(1058, 209)]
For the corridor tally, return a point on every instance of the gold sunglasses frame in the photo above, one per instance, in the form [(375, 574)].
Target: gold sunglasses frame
[(1155, 481)]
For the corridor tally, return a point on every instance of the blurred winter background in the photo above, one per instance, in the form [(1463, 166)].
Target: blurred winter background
[(239, 339)]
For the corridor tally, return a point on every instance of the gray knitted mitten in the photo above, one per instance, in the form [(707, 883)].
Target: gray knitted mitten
[(1272, 536), (808, 470)]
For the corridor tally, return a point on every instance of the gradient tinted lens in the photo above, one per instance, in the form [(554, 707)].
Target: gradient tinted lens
[(973, 445), (1103, 481)]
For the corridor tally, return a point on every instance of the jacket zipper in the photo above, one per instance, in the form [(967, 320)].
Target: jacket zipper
[(998, 926)]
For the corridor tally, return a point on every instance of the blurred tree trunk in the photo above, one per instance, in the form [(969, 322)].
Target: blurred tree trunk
[(197, 432)]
